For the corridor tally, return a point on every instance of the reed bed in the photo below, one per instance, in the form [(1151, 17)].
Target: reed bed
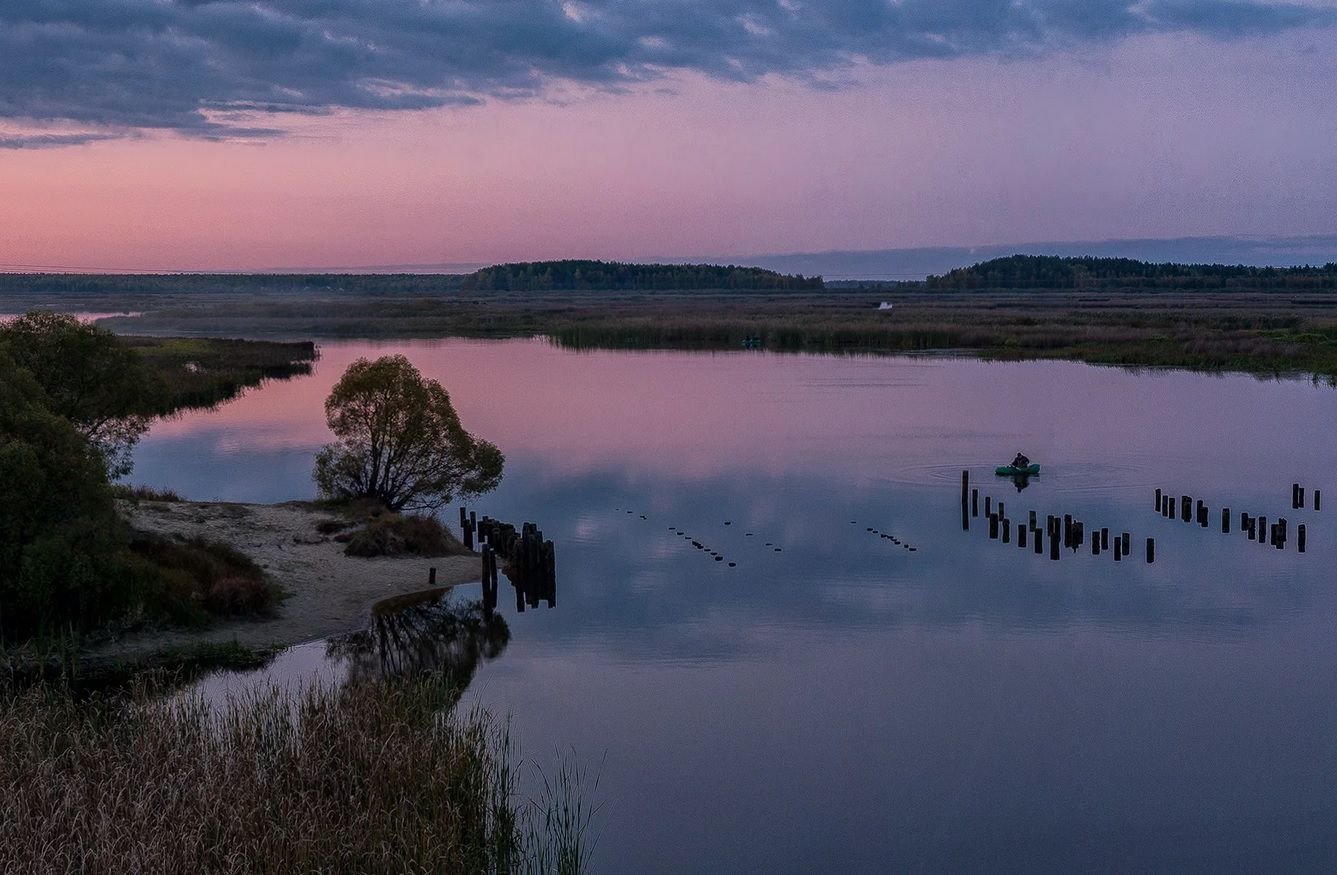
[(368, 777)]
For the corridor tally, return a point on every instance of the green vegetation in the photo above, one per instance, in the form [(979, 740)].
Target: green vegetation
[(1109, 311), (371, 777), (198, 579), (1032, 272), (73, 400), (89, 378), (400, 441), (544, 276), (195, 373)]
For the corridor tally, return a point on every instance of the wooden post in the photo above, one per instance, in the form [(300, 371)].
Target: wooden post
[(1032, 519), (1151, 550), (988, 505), (974, 502), (993, 526), (1053, 549), (1039, 542), (1118, 550), (1021, 536), (431, 576), (1295, 496), (1186, 507), (1225, 520), (1000, 510), (1104, 539), (1095, 545), (1067, 530), (1127, 540), (1318, 499), (1302, 499), (1158, 501), (1202, 513), (1300, 537), (1007, 531), (965, 485)]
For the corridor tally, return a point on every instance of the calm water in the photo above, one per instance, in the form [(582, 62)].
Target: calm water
[(845, 704)]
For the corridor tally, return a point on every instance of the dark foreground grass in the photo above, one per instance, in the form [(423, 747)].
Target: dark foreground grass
[(371, 777)]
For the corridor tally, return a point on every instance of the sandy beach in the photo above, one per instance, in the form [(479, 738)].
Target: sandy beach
[(327, 592)]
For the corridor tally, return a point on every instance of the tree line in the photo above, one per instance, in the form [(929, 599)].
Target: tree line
[(1112, 274), (542, 276)]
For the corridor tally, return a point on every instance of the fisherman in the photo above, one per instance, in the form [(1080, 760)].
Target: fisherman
[(1021, 462)]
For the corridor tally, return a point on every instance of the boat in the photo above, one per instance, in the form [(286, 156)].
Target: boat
[(1013, 471)]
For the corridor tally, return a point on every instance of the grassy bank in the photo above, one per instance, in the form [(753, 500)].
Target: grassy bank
[(1260, 332), (201, 372), (371, 777)]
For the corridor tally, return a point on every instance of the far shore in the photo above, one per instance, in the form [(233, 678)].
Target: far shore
[(327, 592)]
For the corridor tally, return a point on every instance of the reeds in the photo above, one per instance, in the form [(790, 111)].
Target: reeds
[(368, 777)]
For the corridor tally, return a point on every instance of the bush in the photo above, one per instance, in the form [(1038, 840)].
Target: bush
[(397, 535), (185, 581)]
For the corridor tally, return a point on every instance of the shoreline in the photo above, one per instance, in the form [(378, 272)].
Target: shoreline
[(325, 592)]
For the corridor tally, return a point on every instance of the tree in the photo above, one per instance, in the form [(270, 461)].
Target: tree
[(89, 377), (57, 519), (400, 441)]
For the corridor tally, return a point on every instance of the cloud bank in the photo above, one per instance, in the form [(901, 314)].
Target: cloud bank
[(231, 68)]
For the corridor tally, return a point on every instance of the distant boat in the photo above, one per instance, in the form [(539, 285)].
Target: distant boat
[(1014, 471), (885, 305)]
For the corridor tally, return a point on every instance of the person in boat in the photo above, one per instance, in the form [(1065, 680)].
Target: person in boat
[(1021, 462)]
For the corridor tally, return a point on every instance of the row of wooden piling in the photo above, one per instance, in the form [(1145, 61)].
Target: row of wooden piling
[(1256, 527), (1063, 532), (530, 561), (1298, 498)]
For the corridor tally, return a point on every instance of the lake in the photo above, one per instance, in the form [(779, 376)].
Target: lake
[(836, 701)]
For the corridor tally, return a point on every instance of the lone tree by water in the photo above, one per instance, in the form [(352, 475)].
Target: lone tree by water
[(400, 441)]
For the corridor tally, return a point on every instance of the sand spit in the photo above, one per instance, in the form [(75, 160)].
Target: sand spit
[(327, 592)]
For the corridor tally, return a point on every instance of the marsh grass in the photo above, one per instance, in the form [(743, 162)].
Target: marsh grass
[(1260, 331), (368, 777)]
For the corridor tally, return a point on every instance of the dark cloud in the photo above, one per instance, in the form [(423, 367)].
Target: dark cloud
[(217, 68)]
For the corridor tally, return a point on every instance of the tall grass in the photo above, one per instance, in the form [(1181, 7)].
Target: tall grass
[(369, 777)]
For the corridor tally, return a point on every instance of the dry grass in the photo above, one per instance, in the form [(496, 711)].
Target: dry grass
[(372, 777), (402, 535)]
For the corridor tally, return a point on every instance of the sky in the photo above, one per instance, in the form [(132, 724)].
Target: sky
[(219, 134)]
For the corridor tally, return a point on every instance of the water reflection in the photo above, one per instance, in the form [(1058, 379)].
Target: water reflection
[(423, 633), (848, 703)]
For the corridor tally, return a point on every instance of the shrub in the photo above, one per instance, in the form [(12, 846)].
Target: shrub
[(185, 581), (398, 535)]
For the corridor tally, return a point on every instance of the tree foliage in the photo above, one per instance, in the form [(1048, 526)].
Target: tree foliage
[(89, 377), (57, 518), (400, 441), (1088, 273), (617, 276)]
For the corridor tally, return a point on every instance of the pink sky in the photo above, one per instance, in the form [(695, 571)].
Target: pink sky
[(1156, 136)]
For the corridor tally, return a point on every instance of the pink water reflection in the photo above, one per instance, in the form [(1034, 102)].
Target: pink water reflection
[(697, 414)]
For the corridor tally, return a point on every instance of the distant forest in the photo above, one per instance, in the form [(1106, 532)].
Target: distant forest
[(1090, 274), (538, 276), (543, 276)]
